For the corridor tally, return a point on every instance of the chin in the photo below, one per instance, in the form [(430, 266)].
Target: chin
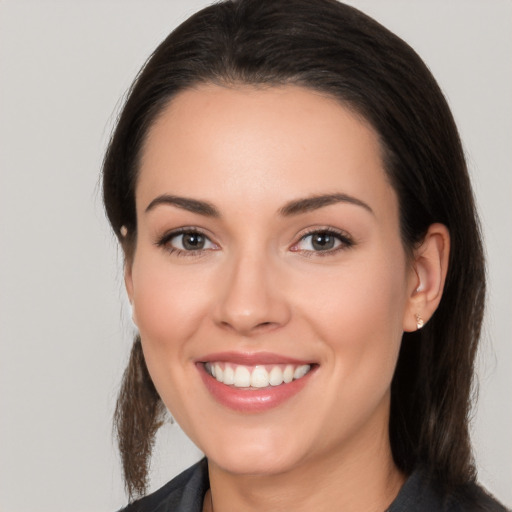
[(261, 463), (256, 453)]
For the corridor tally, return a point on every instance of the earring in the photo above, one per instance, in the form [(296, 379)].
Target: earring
[(124, 231), (419, 321)]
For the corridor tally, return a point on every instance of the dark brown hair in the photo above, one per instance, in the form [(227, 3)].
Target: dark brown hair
[(333, 48)]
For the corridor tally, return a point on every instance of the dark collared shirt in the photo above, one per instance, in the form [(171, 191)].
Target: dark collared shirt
[(185, 493)]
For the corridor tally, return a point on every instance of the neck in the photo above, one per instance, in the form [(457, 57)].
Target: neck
[(363, 477)]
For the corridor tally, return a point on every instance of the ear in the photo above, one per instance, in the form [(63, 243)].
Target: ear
[(427, 277), (128, 283)]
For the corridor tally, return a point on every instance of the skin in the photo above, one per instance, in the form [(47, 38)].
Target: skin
[(258, 285)]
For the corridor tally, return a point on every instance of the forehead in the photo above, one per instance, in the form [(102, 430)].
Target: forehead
[(272, 143)]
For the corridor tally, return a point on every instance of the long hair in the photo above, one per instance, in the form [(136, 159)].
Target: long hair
[(327, 46), (138, 415)]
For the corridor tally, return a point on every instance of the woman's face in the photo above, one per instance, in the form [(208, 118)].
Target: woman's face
[(268, 249)]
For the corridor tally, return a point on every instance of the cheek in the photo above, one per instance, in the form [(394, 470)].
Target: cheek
[(359, 313), (359, 320), (168, 301), (366, 287), (170, 304)]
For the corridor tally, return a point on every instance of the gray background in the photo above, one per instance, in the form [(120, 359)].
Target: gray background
[(64, 336)]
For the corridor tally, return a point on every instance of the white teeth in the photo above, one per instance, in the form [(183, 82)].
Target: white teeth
[(219, 373), (242, 377), (300, 371), (256, 377), (276, 376), (288, 374), (259, 377), (229, 375)]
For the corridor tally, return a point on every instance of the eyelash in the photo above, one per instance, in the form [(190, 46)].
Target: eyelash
[(345, 242), (167, 237)]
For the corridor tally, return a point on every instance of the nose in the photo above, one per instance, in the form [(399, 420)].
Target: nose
[(252, 298)]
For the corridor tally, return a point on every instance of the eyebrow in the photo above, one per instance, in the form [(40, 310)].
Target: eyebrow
[(191, 205), (295, 207), (308, 204)]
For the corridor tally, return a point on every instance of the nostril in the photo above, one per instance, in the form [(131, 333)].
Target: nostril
[(264, 326), (247, 329)]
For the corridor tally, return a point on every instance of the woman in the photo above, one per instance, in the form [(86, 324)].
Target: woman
[(304, 265)]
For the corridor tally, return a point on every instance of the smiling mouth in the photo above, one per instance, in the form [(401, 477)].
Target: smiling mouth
[(255, 377)]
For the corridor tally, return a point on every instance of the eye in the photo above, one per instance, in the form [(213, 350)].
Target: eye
[(191, 241), (186, 241), (326, 241)]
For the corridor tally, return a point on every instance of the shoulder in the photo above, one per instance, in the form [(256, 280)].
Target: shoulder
[(184, 493), (421, 494), (474, 498)]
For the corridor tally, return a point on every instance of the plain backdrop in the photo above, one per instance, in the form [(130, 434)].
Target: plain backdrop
[(64, 338)]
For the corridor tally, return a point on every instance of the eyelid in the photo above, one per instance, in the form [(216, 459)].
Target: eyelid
[(163, 241), (345, 239)]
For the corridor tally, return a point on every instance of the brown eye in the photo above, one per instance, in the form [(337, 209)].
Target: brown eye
[(187, 241), (192, 241), (323, 241)]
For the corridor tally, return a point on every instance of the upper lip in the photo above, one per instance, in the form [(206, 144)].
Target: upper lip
[(251, 358)]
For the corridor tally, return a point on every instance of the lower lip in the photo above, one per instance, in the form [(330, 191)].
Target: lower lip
[(252, 400)]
